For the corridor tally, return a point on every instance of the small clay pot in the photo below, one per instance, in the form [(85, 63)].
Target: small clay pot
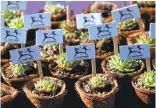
[(97, 100), (17, 82), (145, 95), (8, 99), (45, 101)]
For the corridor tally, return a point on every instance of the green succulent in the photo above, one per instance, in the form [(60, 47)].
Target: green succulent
[(121, 65), (16, 23), (63, 63), (8, 15), (149, 79), (145, 40), (84, 34), (97, 81), (55, 9), (101, 42), (46, 85), (128, 24), (2, 93), (70, 30)]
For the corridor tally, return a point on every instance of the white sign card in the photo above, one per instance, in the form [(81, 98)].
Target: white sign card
[(13, 35), (57, 2), (26, 54), (103, 30), (49, 37), (85, 20), (38, 20), (80, 52), (125, 13), (14, 5), (1, 20), (152, 33), (136, 51)]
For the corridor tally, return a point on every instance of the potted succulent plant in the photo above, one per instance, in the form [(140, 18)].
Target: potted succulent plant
[(121, 69), (102, 7), (143, 39), (7, 95), (16, 75), (46, 93), (144, 86), (147, 10), (97, 91)]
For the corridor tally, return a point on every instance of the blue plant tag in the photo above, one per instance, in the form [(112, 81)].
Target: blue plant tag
[(1, 20), (152, 33)]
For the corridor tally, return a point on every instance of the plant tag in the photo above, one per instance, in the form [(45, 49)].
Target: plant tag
[(13, 35), (1, 20), (26, 54), (39, 20), (152, 33), (49, 37), (125, 13), (57, 2), (85, 20), (80, 52), (14, 5), (136, 51), (103, 30)]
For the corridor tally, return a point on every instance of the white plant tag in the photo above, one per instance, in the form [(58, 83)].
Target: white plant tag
[(103, 30), (13, 35), (86, 20), (39, 20), (49, 37), (136, 51), (26, 54), (125, 13), (1, 20), (152, 33), (14, 5), (80, 52)]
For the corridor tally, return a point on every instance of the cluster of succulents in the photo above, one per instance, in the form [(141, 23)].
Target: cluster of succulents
[(101, 42), (149, 79), (97, 81), (128, 24), (63, 63), (115, 63), (20, 69), (50, 50), (146, 3), (16, 23), (46, 85), (54, 9), (145, 40)]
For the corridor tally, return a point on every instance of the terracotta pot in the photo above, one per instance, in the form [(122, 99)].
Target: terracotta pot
[(44, 101), (11, 94), (71, 42), (96, 100), (17, 82), (146, 96)]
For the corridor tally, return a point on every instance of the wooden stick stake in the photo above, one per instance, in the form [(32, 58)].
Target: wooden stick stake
[(40, 69), (68, 12), (148, 63), (115, 41), (60, 48), (93, 62), (23, 45)]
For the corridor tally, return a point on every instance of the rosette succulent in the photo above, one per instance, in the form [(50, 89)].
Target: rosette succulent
[(46, 85), (145, 40), (97, 81), (63, 63), (16, 23), (115, 63), (149, 79), (54, 9), (128, 25)]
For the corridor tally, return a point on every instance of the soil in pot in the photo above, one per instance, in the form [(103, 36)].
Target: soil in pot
[(8, 96), (17, 75), (97, 91), (46, 93)]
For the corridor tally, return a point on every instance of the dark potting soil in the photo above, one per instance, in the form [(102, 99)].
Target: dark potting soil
[(49, 94), (77, 70), (8, 73), (137, 67)]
